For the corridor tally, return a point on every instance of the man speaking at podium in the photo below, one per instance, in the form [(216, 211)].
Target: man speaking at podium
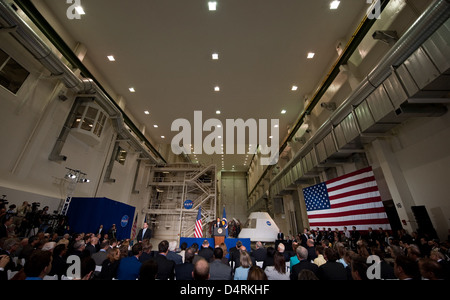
[(218, 223)]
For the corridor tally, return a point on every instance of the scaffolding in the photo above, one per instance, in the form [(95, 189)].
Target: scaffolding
[(176, 192)]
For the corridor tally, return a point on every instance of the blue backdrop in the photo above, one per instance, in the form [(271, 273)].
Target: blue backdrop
[(230, 243), (87, 214)]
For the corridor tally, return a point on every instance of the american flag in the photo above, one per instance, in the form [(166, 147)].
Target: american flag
[(133, 230), (349, 200), (198, 224)]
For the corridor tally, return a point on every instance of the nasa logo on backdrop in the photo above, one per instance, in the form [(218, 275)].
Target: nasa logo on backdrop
[(124, 221), (268, 223)]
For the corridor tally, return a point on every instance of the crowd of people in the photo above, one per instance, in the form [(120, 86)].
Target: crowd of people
[(312, 255)]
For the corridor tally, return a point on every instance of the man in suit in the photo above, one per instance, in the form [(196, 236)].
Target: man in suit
[(166, 268), (260, 252), (184, 271), (206, 252), (144, 233), (304, 238), (217, 269), (332, 270), (218, 223), (172, 255), (304, 263), (280, 236), (130, 266)]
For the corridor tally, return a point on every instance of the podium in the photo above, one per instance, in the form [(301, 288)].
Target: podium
[(219, 235)]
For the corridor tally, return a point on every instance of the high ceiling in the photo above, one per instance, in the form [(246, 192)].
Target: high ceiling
[(163, 49)]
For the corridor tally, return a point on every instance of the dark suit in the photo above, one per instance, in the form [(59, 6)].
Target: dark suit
[(184, 271), (303, 265), (129, 268), (219, 271), (166, 267), (174, 257), (332, 271), (260, 254), (147, 235), (280, 236), (206, 253)]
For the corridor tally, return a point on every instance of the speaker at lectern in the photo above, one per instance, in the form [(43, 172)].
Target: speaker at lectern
[(219, 235)]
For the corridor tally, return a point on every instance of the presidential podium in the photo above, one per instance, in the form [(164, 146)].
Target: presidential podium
[(219, 235)]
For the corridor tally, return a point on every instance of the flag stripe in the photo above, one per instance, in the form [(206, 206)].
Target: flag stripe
[(349, 213), (355, 192), (351, 223), (350, 184), (355, 174), (357, 202)]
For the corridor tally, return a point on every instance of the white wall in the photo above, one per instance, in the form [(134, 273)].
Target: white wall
[(420, 150)]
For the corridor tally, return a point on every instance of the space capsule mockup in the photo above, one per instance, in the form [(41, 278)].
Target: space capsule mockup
[(260, 227)]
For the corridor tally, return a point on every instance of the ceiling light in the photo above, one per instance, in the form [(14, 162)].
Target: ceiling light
[(335, 4), (217, 89), (80, 10), (283, 112), (212, 5), (163, 137), (156, 126), (111, 58), (294, 87), (146, 112), (132, 89), (215, 56), (311, 55), (218, 112)]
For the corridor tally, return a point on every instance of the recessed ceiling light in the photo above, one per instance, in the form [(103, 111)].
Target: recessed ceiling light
[(218, 112), (156, 126), (163, 137), (283, 112), (212, 5), (335, 4), (111, 58), (217, 88), (215, 56), (311, 55), (80, 10), (146, 112), (294, 87), (131, 89)]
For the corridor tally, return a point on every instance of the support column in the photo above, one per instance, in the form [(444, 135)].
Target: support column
[(396, 182)]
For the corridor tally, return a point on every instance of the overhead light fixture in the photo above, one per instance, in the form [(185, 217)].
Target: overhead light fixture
[(156, 126), (163, 137), (111, 58), (311, 55), (215, 56), (131, 89), (218, 112), (212, 5), (217, 88), (294, 88), (283, 112), (146, 112), (335, 4)]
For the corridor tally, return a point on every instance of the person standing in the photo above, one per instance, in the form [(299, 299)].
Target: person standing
[(144, 233)]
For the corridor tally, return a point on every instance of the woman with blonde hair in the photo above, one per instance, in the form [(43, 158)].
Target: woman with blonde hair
[(241, 273), (110, 264)]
